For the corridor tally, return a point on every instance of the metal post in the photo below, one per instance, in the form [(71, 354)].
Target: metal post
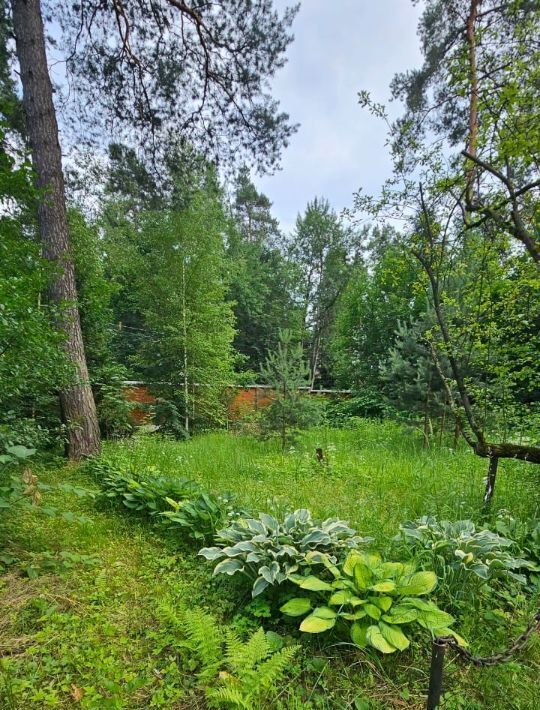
[(438, 649)]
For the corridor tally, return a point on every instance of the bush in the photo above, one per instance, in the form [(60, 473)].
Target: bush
[(269, 551), (113, 408), (460, 553), (368, 404), (179, 502), (376, 601)]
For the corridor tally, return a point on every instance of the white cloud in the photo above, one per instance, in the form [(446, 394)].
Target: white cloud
[(340, 48)]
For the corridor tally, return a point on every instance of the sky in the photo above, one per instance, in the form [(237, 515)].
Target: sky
[(340, 47)]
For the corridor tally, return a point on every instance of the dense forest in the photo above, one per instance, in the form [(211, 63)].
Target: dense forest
[(136, 246)]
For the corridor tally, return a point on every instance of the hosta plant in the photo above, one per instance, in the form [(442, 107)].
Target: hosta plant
[(462, 548), (200, 516), (379, 602), (268, 551)]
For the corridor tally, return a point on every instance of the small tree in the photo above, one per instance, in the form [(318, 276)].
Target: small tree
[(287, 372)]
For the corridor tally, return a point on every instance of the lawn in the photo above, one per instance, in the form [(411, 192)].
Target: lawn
[(94, 628)]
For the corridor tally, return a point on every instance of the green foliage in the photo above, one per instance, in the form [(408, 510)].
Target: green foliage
[(322, 250), (262, 281), (458, 550), (32, 362), (177, 326), (379, 295), (269, 551), (367, 403), (286, 372), (176, 501), (376, 600), (199, 517), (169, 418), (232, 672)]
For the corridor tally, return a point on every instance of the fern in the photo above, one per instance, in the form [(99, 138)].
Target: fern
[(228, 697), (272, 669), (206, 640), (233, 673), (243, 658)]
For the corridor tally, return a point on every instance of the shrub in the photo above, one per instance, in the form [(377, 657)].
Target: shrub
[(458, 550), (526, 535), (145, 492), (201, 516), (268, 551), (178, 502), (366, 404), (377, 601)]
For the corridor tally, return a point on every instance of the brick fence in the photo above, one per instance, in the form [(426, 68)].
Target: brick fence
[(244, 399)]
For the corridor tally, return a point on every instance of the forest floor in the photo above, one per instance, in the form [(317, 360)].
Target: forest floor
[(82, 594)]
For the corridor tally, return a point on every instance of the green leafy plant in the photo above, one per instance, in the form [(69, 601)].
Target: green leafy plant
[(144, 492), (526, 535), (463, 550), (199, 517), (232, 672), (268, 551), (378, 601), (178, 502), (17, 488)]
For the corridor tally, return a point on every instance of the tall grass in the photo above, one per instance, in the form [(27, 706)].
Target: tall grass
[(375, 475)]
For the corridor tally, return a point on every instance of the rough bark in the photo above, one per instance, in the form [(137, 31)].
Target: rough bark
[(490, 480), (472, 138), (77, 402)]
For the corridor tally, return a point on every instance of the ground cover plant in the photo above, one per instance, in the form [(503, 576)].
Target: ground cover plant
[(95, 632), (269, 551)]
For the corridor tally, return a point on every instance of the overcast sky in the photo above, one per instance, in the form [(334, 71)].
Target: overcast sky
[(340, 47)]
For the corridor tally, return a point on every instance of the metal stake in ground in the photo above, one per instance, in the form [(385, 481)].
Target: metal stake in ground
[(438, 650)]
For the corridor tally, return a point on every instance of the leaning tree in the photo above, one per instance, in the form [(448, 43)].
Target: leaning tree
[(148, 71), (467, 157)]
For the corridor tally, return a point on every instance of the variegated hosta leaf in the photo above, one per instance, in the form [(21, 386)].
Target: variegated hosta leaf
[(228, 566), (211, 553)]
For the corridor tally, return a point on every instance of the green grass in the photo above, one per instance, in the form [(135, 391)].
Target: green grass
[(375, 475), (93, 635)]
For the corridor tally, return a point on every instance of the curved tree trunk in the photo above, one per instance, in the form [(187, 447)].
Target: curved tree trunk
[(77, 401)]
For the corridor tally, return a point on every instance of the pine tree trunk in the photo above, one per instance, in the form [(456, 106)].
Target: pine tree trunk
[(77, 401)]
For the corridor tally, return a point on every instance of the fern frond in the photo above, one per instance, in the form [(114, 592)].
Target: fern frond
[(233, 644), (244, 658), (206, 640), (270, 671), (230, 697)]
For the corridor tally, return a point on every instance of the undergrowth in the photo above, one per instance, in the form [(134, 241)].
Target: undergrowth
[(91, 628)]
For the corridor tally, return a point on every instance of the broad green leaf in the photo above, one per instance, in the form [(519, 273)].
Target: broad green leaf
[(345, 596), (360, 614), (362, 575), (419, 583), (358, 634), (386, 586), (21, 452), (434, 619), (394, 635), (313, 584), (419, 604), (373, 611), (376, 639), (320, 620), (350, 562), (392, 569), (259, 585), (383, 603), (401, 615), (296, 607), (228, 566)]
